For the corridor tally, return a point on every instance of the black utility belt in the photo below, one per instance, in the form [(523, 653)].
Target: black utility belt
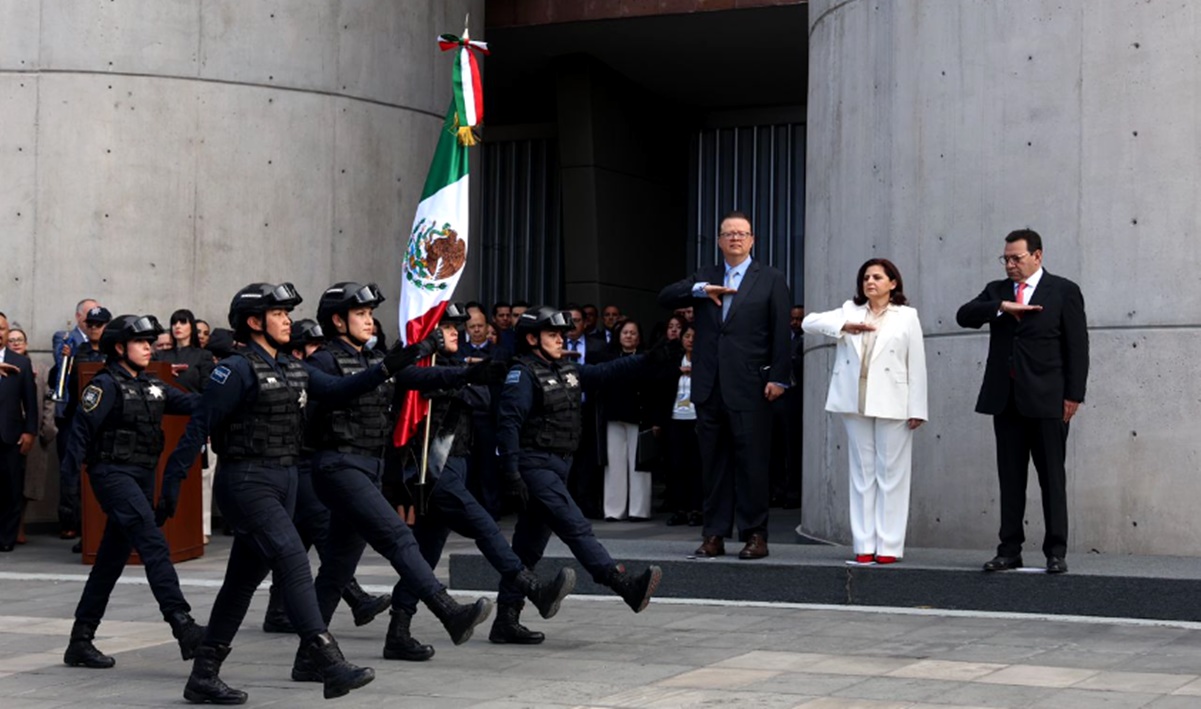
[(284, 461)]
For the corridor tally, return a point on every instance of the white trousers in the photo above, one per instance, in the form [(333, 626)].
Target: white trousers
[(624, 484), (881, 457)]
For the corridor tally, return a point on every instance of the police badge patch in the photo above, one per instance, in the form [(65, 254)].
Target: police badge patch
[(91, 398), (220, 374), (513, 377)]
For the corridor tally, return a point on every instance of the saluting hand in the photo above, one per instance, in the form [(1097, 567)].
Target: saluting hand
[(715, 292), (1017, 309), (7, 369), (854, 328)]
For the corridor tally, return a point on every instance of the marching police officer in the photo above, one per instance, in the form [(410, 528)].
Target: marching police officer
[(254, 406), (452, 507), (312, 518), (537, 431), (349, 438), (118, 432)]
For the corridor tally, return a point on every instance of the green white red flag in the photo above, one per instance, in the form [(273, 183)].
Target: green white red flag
[(437, 246)]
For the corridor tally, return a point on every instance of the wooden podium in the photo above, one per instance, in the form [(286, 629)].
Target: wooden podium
[(184, 532)]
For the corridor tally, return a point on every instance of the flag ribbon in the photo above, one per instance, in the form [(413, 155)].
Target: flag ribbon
[(468, 86)]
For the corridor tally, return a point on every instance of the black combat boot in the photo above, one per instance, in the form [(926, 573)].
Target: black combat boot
[(546, 597), (81, 652), (185, 630), (636, 591), (507, 628), (400, 645), (323, 658), (204, 686), (458, 620), (364, 605), (276, 619)]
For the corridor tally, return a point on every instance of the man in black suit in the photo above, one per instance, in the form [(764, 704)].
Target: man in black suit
[(740, 365), (1033, 383), (18, 427)]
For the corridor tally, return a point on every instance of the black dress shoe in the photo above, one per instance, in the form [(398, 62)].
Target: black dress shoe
[(1056, 565), (6, 547), (1003, 563)]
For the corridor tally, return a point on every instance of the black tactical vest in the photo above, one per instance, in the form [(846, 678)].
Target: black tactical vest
[(361, 426), (554, 421), (268, 430), (132, 434), (448, 414)]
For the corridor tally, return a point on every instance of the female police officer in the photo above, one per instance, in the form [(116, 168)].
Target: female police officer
[(349, 437), (254, 405), (538, 430), (452, 507), (118, 432)]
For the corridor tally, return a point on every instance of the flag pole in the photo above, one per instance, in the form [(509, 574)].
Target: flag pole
[(425, 451)]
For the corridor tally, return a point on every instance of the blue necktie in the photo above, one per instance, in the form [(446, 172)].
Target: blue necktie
[(727, 299)]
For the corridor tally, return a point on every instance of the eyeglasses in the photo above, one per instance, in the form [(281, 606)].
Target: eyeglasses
[(735, 235), (16, 340), (1016, 258)]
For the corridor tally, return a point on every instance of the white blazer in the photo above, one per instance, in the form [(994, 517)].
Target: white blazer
[(896, 376)]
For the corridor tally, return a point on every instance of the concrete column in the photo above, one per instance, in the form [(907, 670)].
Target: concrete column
[(938, 127), (157, 155)]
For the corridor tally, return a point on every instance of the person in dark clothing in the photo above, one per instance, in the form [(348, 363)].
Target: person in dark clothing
[(452, 508), (538, 430), (349, 438), (254, 405), (118, 432), (190, 363)]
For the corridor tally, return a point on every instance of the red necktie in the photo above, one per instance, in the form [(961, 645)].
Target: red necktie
[(1021, 301)]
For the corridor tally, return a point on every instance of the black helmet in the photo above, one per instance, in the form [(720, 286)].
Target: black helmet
[(455, 312), (306, 332), (341, 297), (258, 298), (125, 328), (541, 318)]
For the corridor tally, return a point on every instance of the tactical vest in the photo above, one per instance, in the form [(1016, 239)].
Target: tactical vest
[(448, 415), (132, 433), (268, 430), (554, 422), (361, 426)]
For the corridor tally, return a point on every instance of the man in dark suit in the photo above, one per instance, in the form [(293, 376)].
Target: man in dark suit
[(1033, 383), (18, 427), (740, 365)]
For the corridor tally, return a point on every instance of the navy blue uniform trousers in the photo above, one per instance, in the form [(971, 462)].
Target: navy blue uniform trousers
[(552, 509), (257, 500), (125, 493), (453, 508), (349, 485)]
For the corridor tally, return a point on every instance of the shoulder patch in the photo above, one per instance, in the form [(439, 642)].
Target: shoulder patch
[(91, 397), (220, 374), (513, 377)]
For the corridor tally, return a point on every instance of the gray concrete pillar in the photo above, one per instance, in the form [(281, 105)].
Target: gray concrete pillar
[(158, 155), (935, 128)]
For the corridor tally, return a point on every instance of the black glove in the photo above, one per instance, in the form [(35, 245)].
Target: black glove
[(167, 501), (488, 372), (399, 357), (665, 351), (516, 490)]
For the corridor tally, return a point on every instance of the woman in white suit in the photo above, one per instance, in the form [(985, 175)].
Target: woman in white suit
[(879, 387)]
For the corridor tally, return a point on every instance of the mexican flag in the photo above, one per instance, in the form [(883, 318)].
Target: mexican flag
[(437, 246)]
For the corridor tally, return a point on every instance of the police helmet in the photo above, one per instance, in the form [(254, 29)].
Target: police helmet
[(258, 298), (542, 318), (341, 297), (126, 328), (455, 312), (306, 332)]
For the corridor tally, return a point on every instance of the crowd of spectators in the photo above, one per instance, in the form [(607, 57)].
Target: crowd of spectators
[(633, 435)]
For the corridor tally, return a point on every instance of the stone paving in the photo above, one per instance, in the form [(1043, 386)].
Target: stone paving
[(598, 654)]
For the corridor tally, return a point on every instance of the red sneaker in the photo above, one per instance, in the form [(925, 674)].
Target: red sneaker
[(886, 559), (864, 558)]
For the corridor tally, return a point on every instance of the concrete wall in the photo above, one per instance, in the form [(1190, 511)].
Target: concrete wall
[(161, 154), (938, 127)]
